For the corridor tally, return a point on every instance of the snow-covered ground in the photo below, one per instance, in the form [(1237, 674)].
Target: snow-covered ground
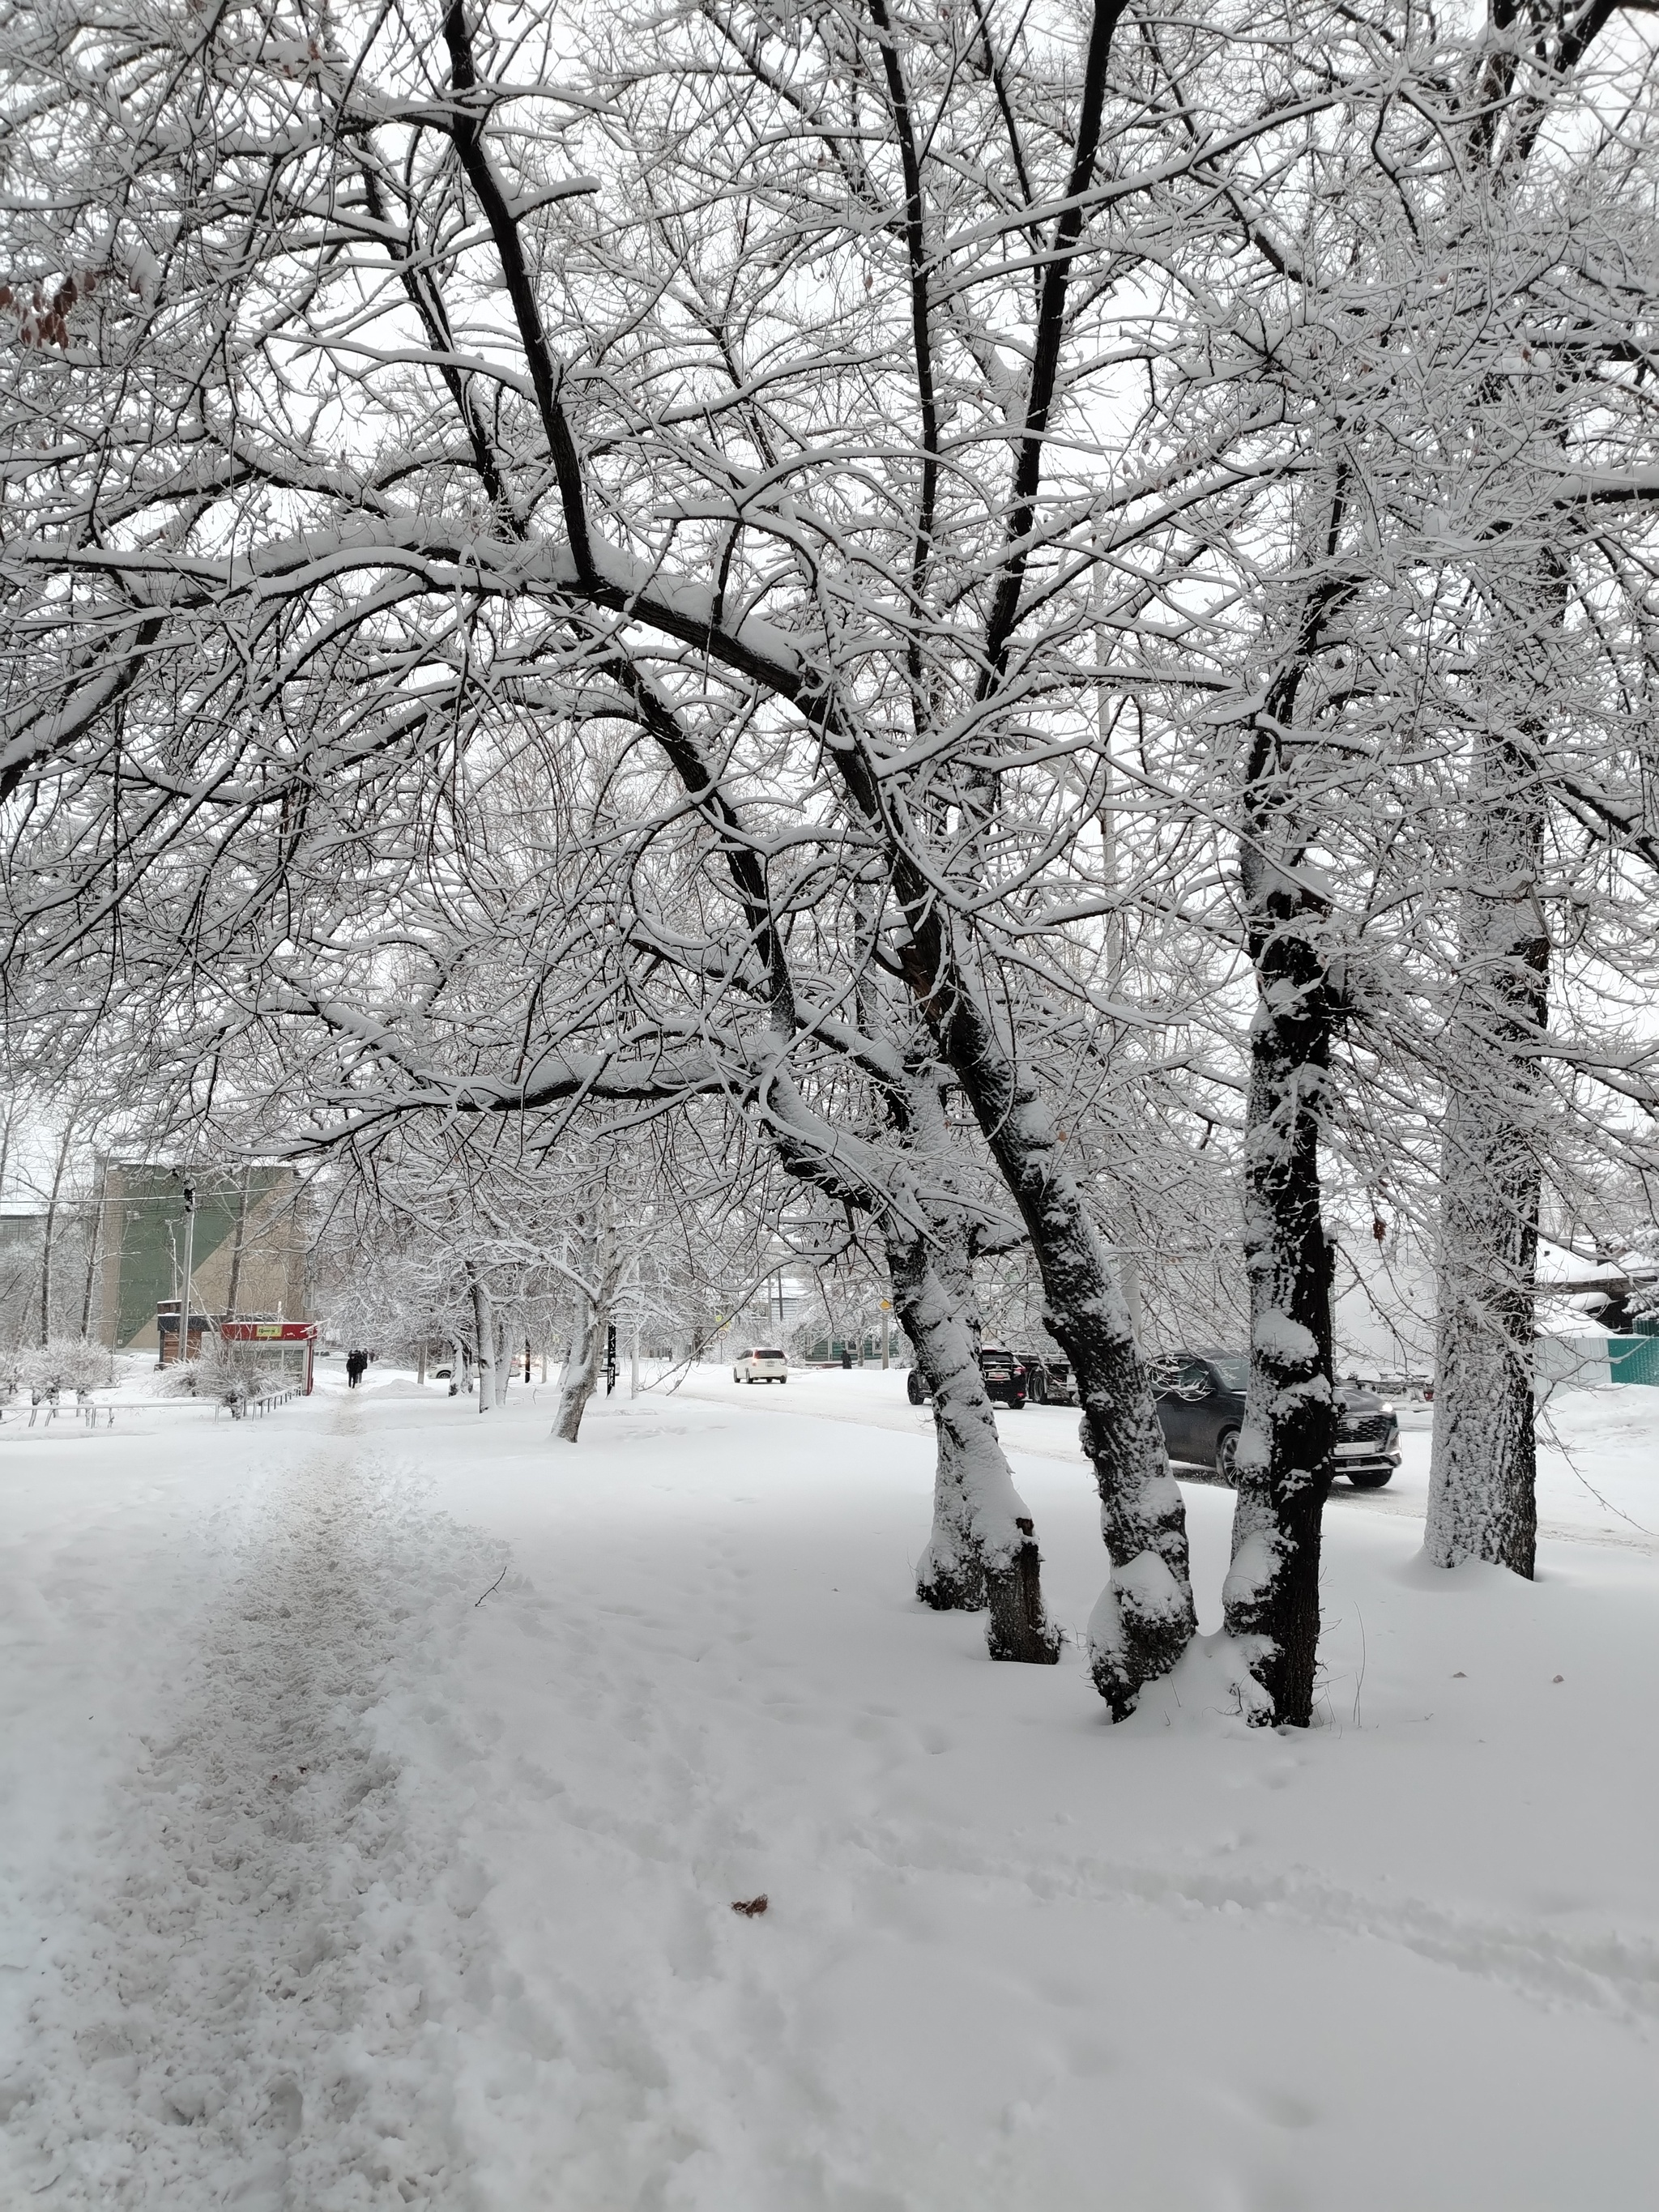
[(1598, 1466), (379, 1779)]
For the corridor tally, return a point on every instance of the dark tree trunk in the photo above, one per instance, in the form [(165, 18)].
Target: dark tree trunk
[(1270, 1602), (1271, 1599)]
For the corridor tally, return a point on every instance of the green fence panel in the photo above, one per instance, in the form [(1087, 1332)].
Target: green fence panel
[(1634, 1359)]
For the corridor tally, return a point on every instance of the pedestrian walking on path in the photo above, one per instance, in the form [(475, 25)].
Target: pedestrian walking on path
[(356, 1362)]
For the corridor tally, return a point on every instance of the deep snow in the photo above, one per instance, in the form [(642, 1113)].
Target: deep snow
[(378, 1780)]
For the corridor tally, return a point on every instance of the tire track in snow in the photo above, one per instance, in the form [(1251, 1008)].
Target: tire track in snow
[(262, 2007)]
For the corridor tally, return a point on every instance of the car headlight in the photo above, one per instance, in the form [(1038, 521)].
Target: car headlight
[(1388, 1409)]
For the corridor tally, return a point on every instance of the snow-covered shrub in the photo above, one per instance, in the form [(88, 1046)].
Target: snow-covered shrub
[(65, 1367), (232, 1373)]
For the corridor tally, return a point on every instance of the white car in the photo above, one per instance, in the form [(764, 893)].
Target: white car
[(760, 1367)]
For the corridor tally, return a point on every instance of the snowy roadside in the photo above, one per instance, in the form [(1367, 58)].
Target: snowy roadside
[(420, 1890), (1598, 1458)]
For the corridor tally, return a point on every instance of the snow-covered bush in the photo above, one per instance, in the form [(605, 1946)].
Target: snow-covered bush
[(233, 1374), (66, 1364)]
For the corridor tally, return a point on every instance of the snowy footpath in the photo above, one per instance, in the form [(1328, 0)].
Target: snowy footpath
[(379, 1779)]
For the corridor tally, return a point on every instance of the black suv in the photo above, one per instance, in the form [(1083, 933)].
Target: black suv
[(1005, 1378), (1200, 1403)]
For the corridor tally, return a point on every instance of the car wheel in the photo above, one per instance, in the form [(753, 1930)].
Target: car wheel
[(1369, 1478), (1037, 1389), (914, 1389), (1226, 1456)]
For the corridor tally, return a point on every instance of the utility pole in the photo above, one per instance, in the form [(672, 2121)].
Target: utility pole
[(886, 1325), (233, 1293), (94, 1249), (189, 1259)]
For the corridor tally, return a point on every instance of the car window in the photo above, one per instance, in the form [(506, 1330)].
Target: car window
[(758, 1354), (1234, 1370), (1187, 1379)]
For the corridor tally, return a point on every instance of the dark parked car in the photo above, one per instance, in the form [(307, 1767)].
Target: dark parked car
[(1200, 1403), (1005, 1378), (1049, 1379)]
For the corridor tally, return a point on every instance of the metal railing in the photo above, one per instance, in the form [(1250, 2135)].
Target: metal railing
[(44, 1409), (49, 1404), (266, 1402)]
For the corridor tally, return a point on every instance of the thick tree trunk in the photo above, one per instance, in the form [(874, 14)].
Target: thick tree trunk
[(484, 1337), (1483, 1467), (603, 1271), (982, 1551), (580, 1373), (1270, 1601), (1483, 1471), (1144, 1617)]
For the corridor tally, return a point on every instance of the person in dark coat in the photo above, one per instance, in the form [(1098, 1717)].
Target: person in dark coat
[(356, 1363)]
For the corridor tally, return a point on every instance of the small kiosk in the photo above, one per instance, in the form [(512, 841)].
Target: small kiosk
[(292, 1345), (288, 1347)]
